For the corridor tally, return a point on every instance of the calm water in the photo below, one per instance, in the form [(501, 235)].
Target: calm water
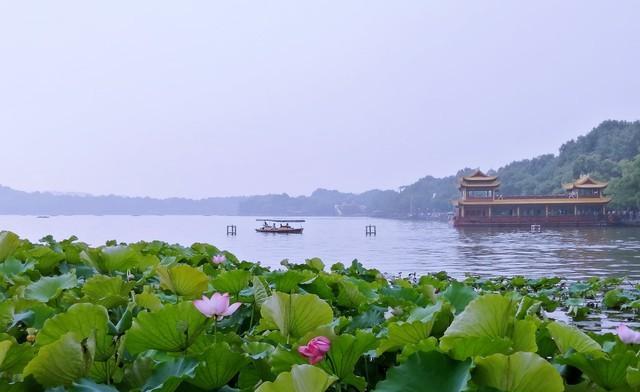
[(400, 246)]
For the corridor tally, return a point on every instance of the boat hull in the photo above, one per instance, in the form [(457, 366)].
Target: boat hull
[(551, 221), (280, 230)]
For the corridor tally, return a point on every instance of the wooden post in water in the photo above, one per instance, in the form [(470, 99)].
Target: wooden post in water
[(370, 230), (231, 230)]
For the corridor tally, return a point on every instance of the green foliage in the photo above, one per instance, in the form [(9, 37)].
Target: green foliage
[(9, 242), (295, 314), (183, 280), (428, 372), (519, 372), (63, 361), (217, 366), (50, 287), (173, 328), (302, 378), (113, 318), (488, 326), (568, 337), (108, 291)]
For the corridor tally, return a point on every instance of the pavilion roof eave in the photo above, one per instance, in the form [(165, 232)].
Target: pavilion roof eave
[(478, 175), (563, 200), (572, 186), (492, 184)]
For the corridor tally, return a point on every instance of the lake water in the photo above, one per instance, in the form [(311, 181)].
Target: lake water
[(400, 246)]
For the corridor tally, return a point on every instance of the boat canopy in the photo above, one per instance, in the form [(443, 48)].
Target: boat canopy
[(281, 220)]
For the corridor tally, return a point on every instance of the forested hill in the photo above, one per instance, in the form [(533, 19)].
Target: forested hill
[(608, 152)]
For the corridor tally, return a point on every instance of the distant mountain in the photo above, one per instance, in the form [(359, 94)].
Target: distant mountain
[(46, 203), (609, 152)]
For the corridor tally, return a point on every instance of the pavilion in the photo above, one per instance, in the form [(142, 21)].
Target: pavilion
[(481, 204)]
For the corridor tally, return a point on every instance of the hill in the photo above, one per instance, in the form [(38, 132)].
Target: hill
[(608, 152)]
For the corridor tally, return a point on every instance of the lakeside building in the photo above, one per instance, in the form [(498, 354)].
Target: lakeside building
[(481, 204)]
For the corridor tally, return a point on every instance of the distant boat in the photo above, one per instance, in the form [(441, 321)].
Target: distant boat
[(280, 226), (42, 216)]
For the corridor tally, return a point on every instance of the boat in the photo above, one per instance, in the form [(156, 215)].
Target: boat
[(279, 226)]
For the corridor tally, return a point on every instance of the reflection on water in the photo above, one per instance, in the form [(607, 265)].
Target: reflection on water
[(400, 246)]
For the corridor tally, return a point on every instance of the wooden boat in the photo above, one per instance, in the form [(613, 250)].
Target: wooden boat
[(279, 226)]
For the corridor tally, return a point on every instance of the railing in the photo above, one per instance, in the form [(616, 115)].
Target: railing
[(534, 197)]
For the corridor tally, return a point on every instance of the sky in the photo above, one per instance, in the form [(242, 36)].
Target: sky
[(218, 98)]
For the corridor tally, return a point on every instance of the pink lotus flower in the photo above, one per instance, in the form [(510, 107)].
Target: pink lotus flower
[(627, 335), (216, 306), (315, 349), (218, 259)]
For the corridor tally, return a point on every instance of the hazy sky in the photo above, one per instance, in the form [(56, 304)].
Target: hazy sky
[(212, 98)]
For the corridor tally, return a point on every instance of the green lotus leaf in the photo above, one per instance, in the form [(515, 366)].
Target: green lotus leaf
[(288, 281), (217, 367), (5, 345), (86, 385), (63, 361), (183, 280), (459, 295), (633, 377), (172, 328), (9, 242), (137, 372), (569, 337), (404, 333), (169, 375), (12, 267), (118, 258), (488, 326), (365, 320), (295, 314), (609, 372), (6, 313), (14, 357), (32, 315), (345, 352), (231, 282), (148, 300), (439, 314), (315, 263), (428, 344), (283, 359), (302, 378), (108, 291), (519, 372), (46, 259), (427, 372), (258, 350), (105, 371), (261, 290), (50, 287), (349, 294), (84, 320)]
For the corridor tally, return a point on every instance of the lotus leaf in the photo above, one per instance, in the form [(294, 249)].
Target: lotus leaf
[(487, 326), (218, 365), (173, 328), (183, 280), (49, 287), (232, 281), (427, 372), (302, 378), (519, 372), (85, 320), (295, 314), (62, 362)]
